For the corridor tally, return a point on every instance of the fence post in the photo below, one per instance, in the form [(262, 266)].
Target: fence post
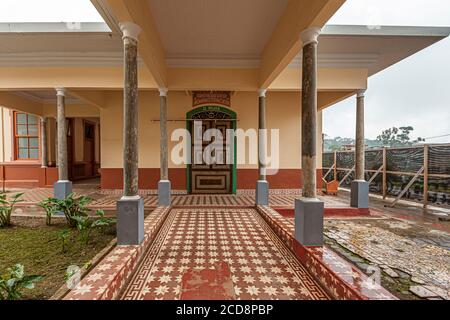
[(335, 166), (426, 150), (384, 182)]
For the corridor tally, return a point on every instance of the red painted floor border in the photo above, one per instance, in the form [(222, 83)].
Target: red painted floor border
[(343, 212), (343, 280)]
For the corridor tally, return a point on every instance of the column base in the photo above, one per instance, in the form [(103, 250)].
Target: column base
[(359, 197), (164, 193), (262, 193), (309, 214), (130, 221), (61, 189)]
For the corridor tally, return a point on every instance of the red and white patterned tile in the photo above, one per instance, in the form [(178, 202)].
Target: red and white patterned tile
[(233, 248), (341, 278)]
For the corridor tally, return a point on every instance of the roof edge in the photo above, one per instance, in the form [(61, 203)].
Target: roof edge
[(53, 27), (393, 31)]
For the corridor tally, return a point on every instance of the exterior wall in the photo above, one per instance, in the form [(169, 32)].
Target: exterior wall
[(30, 174), (283, 112), (5, 135)]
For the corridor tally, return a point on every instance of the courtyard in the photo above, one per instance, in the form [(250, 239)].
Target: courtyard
[(219, 246), (180, 150)]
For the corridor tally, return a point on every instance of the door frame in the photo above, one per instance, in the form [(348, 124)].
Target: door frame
[(93, 147), (233, 116)]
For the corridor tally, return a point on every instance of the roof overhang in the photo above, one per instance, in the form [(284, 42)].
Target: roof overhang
[(375, 49), (341, 49)]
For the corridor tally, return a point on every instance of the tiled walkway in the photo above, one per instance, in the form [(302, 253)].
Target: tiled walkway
[(222, 253), (106, 199)]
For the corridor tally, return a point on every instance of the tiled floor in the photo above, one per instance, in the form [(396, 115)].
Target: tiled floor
[(233, 252), (107, 199)]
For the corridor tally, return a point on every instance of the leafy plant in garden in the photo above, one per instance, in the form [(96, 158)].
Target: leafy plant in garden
[(72, 207), (86, 224), (14, 281), (6, 208), (50, 206), (63, 235)]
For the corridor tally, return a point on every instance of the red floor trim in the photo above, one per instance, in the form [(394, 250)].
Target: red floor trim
[(342, 279)]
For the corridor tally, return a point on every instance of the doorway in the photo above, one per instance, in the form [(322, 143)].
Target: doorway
[(212, 178)]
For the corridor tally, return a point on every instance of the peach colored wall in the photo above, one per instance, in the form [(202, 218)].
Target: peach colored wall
[(6, 145), (5, 135), (327, 79), (283, 112)]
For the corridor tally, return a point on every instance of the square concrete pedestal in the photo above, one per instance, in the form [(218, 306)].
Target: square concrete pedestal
[(130, 221), (309, 214), (359, 197), (61, 189), (262, 193), (164, 193)]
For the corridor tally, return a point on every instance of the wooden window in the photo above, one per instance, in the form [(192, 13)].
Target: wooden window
[(26, 136)]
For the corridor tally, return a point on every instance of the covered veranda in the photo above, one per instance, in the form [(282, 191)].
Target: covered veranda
[(190, 245)]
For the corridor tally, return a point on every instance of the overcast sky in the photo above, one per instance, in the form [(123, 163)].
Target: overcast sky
[(414, 92), (48, 11)]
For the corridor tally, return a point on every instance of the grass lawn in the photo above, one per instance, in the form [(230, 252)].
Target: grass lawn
[(31, 243)]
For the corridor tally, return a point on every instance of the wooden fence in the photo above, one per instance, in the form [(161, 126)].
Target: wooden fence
[(410, 172)]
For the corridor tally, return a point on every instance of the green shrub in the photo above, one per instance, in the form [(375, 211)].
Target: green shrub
[(71, 207), (14, 281), (6, 208), (63, 235), (50, 206), (86, 224)]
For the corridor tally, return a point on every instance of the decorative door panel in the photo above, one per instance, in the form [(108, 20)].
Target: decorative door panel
[(211, 178)]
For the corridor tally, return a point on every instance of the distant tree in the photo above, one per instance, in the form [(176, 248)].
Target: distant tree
[(397, 137)]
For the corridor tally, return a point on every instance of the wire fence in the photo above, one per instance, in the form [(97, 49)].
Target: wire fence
[(409, 172)]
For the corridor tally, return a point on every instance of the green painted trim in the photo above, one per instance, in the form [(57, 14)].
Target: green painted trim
[(233, 116)]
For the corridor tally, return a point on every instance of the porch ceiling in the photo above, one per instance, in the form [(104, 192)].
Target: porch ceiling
[(215, 29), (45, 96)]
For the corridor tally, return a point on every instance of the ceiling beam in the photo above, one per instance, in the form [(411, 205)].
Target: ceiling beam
[(93, 98), (150, 46), (284, 43), (326, 99), (15, 102)]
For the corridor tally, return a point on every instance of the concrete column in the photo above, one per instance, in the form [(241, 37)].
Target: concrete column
[(164, 187), (63, 187), (359, 187), (44, 148), (130, 208), (359, 140), (262, 186), (309, 210)]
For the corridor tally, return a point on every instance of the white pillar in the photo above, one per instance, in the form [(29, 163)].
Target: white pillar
[(309, 210), (359, 197), (63, 187), (130, 208), (44, 148), (262, 186), (164, 186)]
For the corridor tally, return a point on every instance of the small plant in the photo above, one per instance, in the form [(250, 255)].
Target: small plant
[(50, 206), (86, 224), (6, 208), (14, 281), (63, 235), (74, 207), (71, 207)]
